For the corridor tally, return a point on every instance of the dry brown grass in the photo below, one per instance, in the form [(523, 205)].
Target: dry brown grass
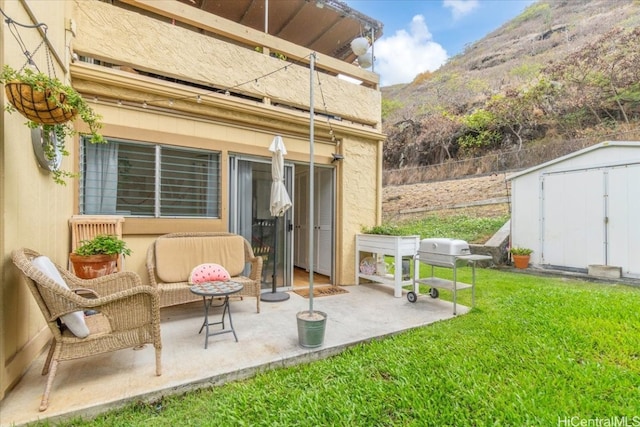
[(475, 187), (496, 163), (482, 196)]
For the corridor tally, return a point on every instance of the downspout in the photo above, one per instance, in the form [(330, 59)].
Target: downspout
[(379, 183), (373, 52)]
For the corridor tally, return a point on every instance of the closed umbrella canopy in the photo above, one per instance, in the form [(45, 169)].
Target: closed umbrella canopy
[(279, 203), (280, 200)]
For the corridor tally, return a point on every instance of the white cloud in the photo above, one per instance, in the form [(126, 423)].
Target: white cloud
[(401, 57), (460, 8)]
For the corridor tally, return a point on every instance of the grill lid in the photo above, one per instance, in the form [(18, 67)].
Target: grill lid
[(443, 246)]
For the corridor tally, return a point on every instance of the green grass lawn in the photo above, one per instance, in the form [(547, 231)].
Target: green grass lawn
[(534, 352), (464, 227)]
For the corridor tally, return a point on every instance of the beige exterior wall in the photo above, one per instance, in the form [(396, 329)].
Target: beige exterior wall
[(36, 210), (128, 38)]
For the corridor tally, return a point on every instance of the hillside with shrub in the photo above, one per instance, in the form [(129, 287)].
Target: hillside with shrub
[(561, 76)]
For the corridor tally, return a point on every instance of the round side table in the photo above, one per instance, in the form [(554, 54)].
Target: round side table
[(211, 290)]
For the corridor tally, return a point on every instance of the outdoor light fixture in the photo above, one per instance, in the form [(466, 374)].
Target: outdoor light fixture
[(336, 157), (366, 60), (360, 45)]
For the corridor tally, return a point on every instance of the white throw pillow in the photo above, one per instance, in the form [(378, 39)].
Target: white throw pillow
[(74, 321)]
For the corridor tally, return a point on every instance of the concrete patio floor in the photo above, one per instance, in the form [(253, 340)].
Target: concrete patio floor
[(266, 340)]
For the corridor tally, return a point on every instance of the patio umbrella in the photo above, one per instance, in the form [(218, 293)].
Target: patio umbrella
[(279, 203), (280, 200)]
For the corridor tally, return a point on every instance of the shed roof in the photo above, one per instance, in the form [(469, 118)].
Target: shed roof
[(601, 145)]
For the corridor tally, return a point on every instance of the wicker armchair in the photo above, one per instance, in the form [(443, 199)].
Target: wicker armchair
[(124, 313)]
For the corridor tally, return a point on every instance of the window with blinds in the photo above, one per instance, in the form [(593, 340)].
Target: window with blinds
[(149, 180)]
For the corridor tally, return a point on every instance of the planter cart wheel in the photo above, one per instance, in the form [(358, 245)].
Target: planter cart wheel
[(413, 297)]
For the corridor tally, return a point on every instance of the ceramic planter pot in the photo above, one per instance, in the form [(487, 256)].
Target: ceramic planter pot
[(92, 266)]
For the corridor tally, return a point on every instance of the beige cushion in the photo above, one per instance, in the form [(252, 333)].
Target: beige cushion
[(177, 256)]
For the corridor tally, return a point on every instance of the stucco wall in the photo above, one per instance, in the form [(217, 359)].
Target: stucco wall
[(138, 124), (357, 194), (128, 38), (360, 198), (35, 209)]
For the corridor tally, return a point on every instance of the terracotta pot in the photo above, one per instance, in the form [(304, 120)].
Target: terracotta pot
[(36, 105), (92, 266), (521, 261)]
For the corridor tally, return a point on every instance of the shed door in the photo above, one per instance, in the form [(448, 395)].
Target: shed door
[(573, 219), (624, 231)]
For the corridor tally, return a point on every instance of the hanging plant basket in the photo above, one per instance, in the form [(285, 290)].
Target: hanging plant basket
[(39, 106), (49, 105)]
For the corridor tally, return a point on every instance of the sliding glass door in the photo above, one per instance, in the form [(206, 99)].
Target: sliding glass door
[(250, 216)]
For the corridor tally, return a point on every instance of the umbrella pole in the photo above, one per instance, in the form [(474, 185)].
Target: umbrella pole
[(274, 296), (275, 256), (312, 59)]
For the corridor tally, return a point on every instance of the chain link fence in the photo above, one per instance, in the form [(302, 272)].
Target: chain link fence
[(507, 161)]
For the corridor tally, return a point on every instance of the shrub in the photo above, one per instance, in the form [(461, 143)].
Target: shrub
[(520, 251), (103, 244)]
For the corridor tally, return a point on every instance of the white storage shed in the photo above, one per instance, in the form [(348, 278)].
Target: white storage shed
[(581, 210)]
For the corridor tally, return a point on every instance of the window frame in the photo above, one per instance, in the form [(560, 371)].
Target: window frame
[(213, 176)]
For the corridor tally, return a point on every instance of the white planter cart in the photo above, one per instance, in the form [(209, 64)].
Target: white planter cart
[(398, 247)]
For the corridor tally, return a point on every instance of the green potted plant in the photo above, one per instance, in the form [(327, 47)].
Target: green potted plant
[(98, 256), (521, 256), (48, 103)]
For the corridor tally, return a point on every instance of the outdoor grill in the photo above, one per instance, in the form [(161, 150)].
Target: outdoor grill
[(442, 252), (449, 253)]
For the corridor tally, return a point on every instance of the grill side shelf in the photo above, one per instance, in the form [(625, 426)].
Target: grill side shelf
[(436, 282)]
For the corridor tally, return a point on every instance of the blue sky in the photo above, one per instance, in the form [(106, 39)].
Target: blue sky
[(419, 35)]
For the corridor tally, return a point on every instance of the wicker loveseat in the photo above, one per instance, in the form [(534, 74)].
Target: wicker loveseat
[(171, 257)]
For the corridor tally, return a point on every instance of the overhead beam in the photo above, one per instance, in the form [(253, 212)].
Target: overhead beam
[(250, 37)]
